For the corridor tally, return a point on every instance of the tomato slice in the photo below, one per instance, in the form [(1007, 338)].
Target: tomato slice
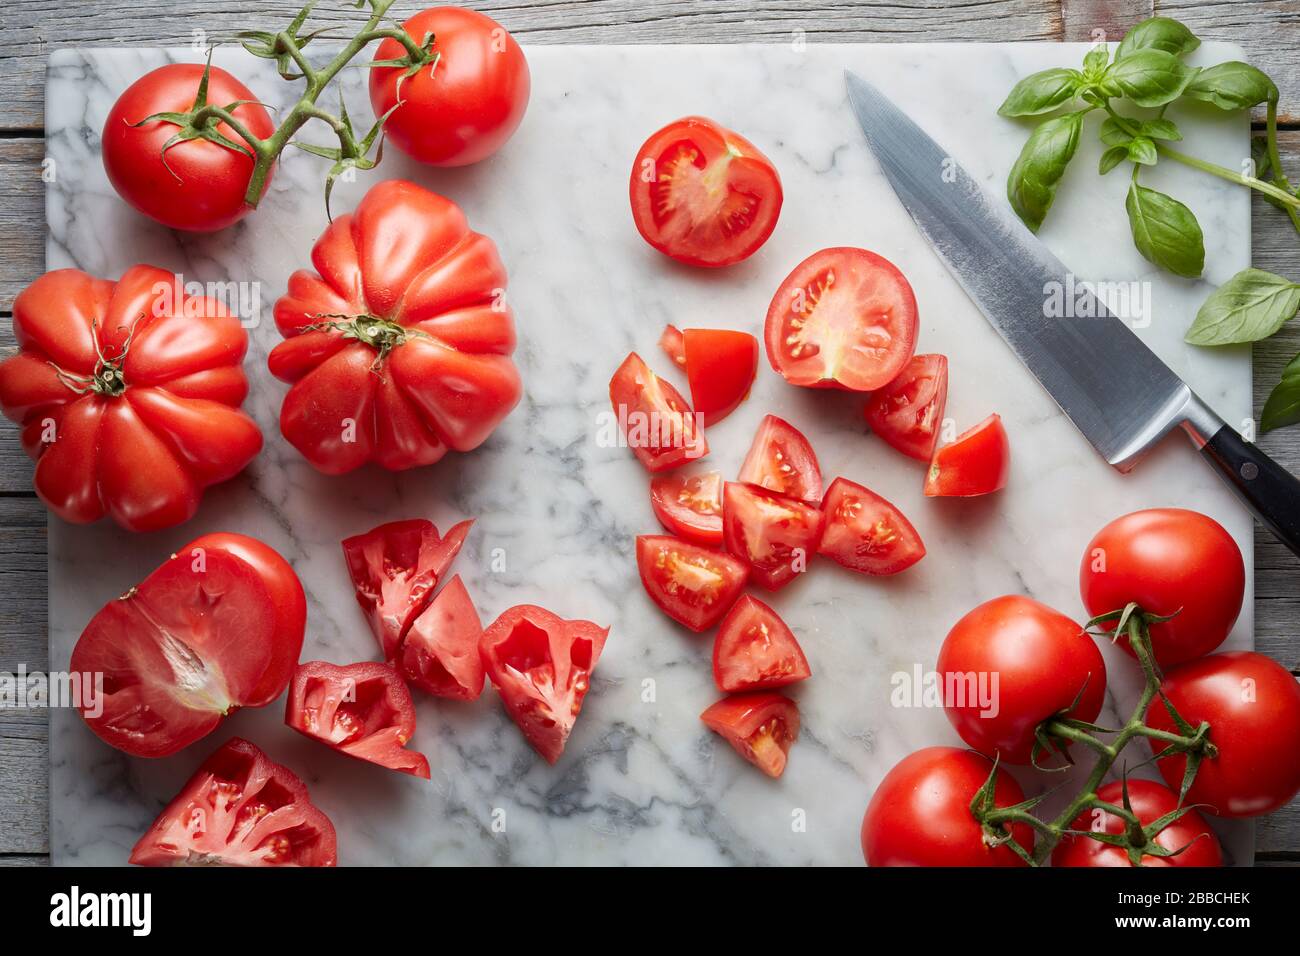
[(703, 194), (781, 460), (844, 318), (541, 666), (690, 506), (239, 809), (694, 586), (674, 345), (775, 535), (978, 462), (440, 651), (864, 532), (755, 650), (908, 412), (720, 368), (659, 426), (760, 727)]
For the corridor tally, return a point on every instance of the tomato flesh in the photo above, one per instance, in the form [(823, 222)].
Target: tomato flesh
[(865, 533), (720, 368), (775, 535), (674, 345), (689, 506), (781, 459), (908, 412), (755, 650), (978, 462), (658, 424), (440, 651), (693, 585), (1189, 834), (760, 726)]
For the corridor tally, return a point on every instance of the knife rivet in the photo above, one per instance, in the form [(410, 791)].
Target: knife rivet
[(1250, 471)]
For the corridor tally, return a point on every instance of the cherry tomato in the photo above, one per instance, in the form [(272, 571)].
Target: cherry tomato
[(440, 650), (694, 586), (781, 460), (755, 650), (720, 368), (977, 462), (659, 426), (674, 345), (689, 506), (864, 532), (908, 412), (760, 727), (775, 535), (1150, 801)]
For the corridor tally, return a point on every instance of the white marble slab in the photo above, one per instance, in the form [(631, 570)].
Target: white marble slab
[(645, 782)]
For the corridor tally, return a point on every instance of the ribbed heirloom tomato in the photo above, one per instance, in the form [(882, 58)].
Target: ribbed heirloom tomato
[(440, 651)]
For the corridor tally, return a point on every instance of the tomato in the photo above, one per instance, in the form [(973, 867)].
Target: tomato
[(781, 460), (755, 650), (128, 395), (395, 569), (659, 426), (689, 506), (197, 185), (908, 412), (844, 318), (720, 368), (760, 726), (461, 108), (1150, 801), (694, 586), (363, 710), (775, 535), (239, 809), (440, 651), (864, 532), (1011, 664), (398, 347), (702, 194), (541, 666), (1253, 707), (1168, 561), (920, 814), (674, 345), (978, 462), (217, 627)]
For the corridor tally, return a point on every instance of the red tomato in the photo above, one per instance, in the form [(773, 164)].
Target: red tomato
[(844, 318), (239, 809), (128, 396), (781, 460), (908, 412), (541, 666), (690, 506), (1150, 801), (363, 710), (1011, 664), (760, 727), (440, 651), (674, 345), (775, 535), (1169, 561), (920, 814), (660, 427), (217, 627), (461, 108), (864, 532), (395, 569), (399, 349), (197, 185), (1253, 708), (755, 650), (720, 368), (694, 586), (978, 462)]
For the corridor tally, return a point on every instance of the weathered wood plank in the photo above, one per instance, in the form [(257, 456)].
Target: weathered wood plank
[(24, 770), (1094, 20), (22, 217), (24, 859)]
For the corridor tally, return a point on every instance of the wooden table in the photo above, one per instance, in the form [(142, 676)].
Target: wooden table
[(1268, 29)]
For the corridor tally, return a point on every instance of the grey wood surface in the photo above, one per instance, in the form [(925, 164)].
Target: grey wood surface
[(1268, 29)]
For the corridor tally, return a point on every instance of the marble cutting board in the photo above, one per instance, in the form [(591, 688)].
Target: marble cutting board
[(642, 780)]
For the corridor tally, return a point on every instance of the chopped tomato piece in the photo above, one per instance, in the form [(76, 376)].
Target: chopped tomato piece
[(775, 535), (674, 345), (760, 727), (659, 426), (781, 460), (694, 586), (864, 532), (690, 506), (440, 651), (755, 650), (978, 462), (908, 412), (720, 368)]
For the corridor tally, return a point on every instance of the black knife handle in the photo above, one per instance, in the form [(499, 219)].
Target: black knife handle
[(1266, 488)]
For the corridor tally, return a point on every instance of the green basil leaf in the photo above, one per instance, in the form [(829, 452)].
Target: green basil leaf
[(1160, 33), (1031, 186), (1143, 151), (1112, 135), (1165, 231), (1160, 129), (1232, 86), (1259, 156), (1094, 62), (1041, 92), (1112, 158), (1150, 77), (1282, 407), (1250, 306)]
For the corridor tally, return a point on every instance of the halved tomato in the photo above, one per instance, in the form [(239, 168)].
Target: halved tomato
[(775, 535), (363, 710), (760, 727), (907, 412), (694, 586), (755, 650), (659, 426), (674, 345), (440, 651), (864, 532), (844, 318), (690, 506), (720, 368), (239, 809), (702, 194), (781, 460), (978, 462)]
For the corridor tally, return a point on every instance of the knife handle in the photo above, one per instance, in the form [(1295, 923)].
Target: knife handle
[(1264, 486)]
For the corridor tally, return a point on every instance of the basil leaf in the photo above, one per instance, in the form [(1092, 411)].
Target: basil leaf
[(1149, 77), (1160, 129), (1250, 306), (1041, 92), (1094, 62), (1165, 231), (1112, 158), (1259, 156), (1282, 407), (1160, 33), (1232, 86), (1112, 135), (1143, 151), (1031, 186)]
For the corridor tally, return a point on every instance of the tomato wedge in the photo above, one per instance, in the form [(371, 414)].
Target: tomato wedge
[(541, 666), (908, 412), (674, 345), (780, 459), (775, 535), (690, 506), (659, 426), (703, 194), (239, 809), (755, 650), (694, 586), (864, 532), (977, 462), (760, 727), (844, 318), (720, 368), (440, 651)]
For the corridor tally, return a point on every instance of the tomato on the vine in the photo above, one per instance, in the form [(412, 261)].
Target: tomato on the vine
[(1150, 801)]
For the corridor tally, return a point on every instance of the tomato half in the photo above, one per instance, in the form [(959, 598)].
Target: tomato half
[(659, 426), (440, 650), (703, 194), (761, 727), (694, 586), (780, 459), (541, 666), (864, 532), (908, 412), (775, 535), (977, 462), (1150, 801), (755, 650), (674, 345), (689, 506), (239, 809), (720, 368)]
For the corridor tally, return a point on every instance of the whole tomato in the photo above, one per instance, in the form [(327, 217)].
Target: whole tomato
[(196, 185), (463, 107), (1168, 561), (1150, 801)]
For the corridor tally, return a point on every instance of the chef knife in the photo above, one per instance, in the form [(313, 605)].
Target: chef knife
[(1121, 396)]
